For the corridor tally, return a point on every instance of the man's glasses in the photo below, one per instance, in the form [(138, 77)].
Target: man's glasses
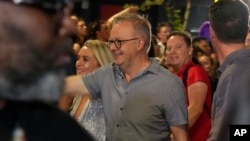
[(118, 43), (51, 6)]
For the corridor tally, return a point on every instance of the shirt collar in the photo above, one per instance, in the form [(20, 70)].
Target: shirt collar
[(153, 67), (230, 59), (183, 68)]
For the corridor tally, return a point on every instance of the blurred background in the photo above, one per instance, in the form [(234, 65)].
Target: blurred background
[(187, 15)]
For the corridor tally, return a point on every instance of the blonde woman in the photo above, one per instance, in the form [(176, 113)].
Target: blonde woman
[(89, 112)]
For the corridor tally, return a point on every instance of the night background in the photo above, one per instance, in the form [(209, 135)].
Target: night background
[(92, 10)]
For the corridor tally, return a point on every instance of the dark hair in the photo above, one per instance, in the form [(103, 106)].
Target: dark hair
[(154, 42), (94, 27), (186, 38), (229, 20), (162, 24), (198, 39), (197, 50)]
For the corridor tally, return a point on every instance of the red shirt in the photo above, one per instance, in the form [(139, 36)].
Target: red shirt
[(200, 130)]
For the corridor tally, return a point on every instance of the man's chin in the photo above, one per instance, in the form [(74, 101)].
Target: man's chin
[(117, 62)]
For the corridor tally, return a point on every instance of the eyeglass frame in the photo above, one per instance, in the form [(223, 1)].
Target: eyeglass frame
[(118, 42)]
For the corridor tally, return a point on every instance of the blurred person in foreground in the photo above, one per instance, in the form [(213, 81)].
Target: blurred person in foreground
[(142, 101), (32, 55), (231, 100)]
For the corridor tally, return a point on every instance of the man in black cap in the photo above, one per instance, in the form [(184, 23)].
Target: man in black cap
[(33, 34)]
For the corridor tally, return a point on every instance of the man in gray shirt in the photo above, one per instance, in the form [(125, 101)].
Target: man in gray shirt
[(142, 101), (229, 27)]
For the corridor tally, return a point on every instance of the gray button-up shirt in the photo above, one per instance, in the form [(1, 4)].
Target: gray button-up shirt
[(144, 108), (231, 101)]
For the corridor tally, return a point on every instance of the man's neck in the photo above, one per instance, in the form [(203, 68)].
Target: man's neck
[(138, 66), (224, 50)]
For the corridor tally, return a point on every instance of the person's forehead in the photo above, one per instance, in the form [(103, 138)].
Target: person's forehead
[(81, 23), (177, 37), (122, 28), (165, 28), (86, 50)]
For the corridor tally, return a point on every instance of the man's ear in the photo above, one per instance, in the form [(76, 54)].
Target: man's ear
[(190, 51), (248, 31), (140, 44), (212, 34)]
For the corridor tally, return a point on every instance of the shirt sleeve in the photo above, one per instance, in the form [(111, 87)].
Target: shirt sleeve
[(197, 73), (175, 104), (93, 81)]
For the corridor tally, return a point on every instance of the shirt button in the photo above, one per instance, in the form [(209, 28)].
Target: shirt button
[(121, 109), (117, 125)]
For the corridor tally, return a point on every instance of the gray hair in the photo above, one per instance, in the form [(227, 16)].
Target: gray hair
[(140, 24)]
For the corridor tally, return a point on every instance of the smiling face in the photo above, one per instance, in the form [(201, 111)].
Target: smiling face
[(124, 55), (206, 63), (86, 61), (178, 53)]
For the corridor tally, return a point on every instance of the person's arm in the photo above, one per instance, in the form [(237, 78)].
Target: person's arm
[(197, 93), (76, 48), (65, 102), (179, 132), (74, 85)]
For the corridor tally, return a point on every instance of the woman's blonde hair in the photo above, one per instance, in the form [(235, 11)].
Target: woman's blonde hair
[(101, 51), (103, 56)]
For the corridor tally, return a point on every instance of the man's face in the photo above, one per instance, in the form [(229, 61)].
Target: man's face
[(32, 43), (177, 52), (127, 51), (38, 35)]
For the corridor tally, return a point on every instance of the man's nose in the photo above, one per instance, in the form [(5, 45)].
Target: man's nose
[(172, 50)]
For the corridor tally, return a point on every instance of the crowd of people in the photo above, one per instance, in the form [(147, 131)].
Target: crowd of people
[(115, 80)]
